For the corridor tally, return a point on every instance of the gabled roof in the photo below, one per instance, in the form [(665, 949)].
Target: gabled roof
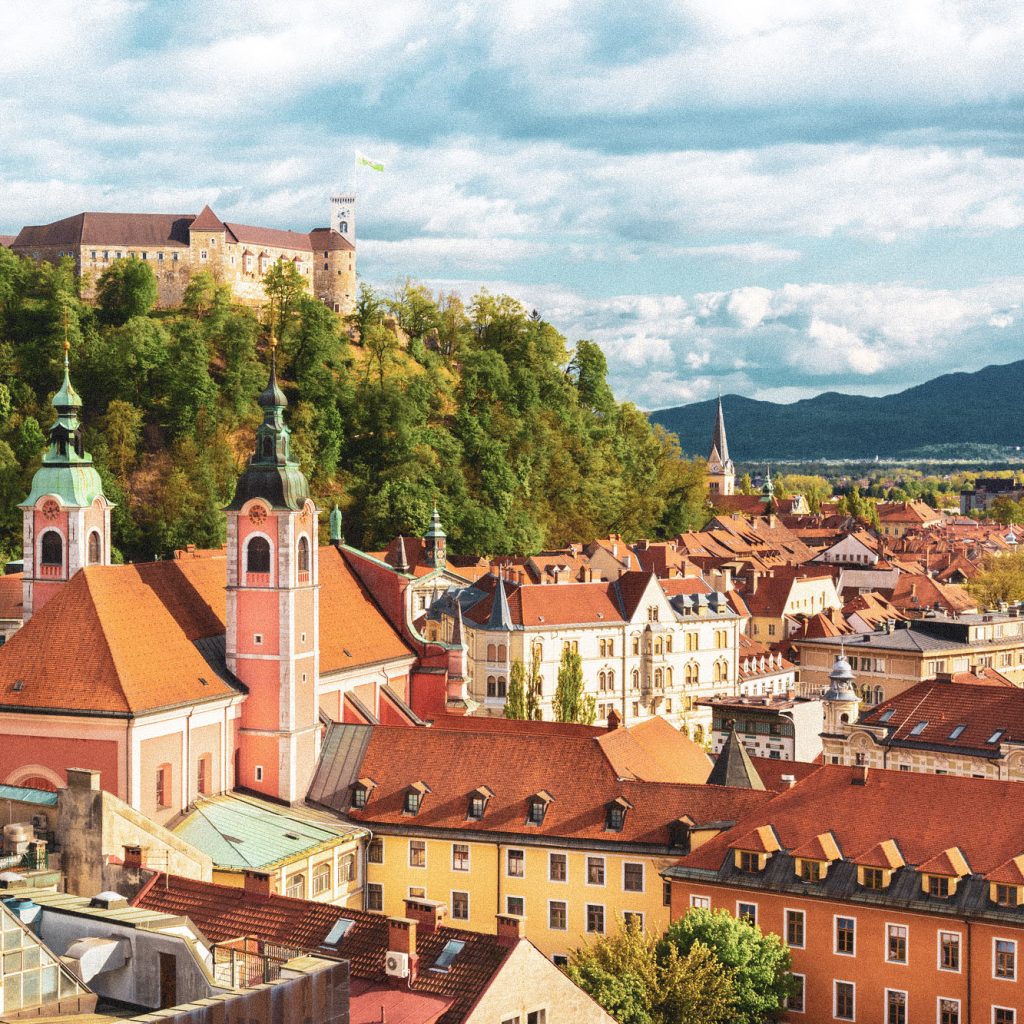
[(655, 751), (224, 912), (515, 764), (275, 238), (759, 840), (11, 592), (141, 229), (207, 221), (885, 854), (1009, 873), (821, 847), (949, 862)]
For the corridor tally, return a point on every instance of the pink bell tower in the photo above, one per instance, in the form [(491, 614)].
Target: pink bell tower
[(272, 642)]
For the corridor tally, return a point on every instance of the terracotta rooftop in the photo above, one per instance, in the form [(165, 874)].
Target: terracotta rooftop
[(574, 769), (155, 229), (224, 912), (11, 596)]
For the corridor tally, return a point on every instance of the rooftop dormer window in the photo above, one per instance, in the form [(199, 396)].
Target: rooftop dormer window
[(615, 814), (938, 886), (537, 807), (414, 797), (478, 803), (361, 792)]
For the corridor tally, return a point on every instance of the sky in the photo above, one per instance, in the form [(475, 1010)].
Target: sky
[(766, 199)]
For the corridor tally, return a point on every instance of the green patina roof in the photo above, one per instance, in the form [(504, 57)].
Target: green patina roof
[(24, 795), (75, 485), (243, 832)]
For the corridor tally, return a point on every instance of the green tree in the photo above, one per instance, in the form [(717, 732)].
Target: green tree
[(369, 311), (746, 485), (126, 288), (625, 975), (757, 964), (571, 703), (122, 431), (1001, 579), (533, 693), (284, 286), (815, 489), (515, 698)]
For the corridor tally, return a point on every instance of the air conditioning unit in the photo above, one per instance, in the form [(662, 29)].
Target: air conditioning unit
[(396, 965)]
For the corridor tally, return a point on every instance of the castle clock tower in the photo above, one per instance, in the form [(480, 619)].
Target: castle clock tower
[(66, 517), (272, 642)]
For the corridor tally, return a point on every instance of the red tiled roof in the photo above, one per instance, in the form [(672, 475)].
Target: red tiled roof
[(516, 765), (330, 240), (11, 596), (655, 751), (551, 604), (223, 912), (207, 221), (821, 847), (923, 814), (685, 585), (944, 706), (1010, 873), (155, 229), (949, 862), (772, 769), (882, 855)]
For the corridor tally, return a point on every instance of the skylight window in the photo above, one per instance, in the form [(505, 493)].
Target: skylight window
[(957, 731), (996, 736), (887, 714), (919, 728), (339, 931), (452, 948)]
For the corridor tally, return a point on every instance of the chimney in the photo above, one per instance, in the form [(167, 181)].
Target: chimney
[(257, 885), (588, 574), (402, 939), (83, 778), (429, 915), (613, 720), (510, 929), (788, 781), (134, 858), (860, 776)]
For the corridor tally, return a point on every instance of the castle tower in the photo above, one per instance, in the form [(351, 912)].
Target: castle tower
[(435, 543), (66, 517), (841, 703), (272, 642), (343, 216), (768, 489), (721, 471)]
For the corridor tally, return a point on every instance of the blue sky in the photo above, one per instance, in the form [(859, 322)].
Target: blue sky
[(767, 199)]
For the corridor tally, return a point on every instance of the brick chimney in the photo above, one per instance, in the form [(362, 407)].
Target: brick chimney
[(402, 939), (429, 915), (613, 720), (510, 929), (134, 858), (257, 885)]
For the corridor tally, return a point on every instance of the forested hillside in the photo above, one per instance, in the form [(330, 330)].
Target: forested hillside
[(486, 411)]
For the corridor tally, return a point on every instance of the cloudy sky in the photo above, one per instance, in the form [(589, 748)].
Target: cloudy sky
[(771, 199)]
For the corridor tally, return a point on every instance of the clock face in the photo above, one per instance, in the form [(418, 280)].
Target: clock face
[(50, 509), (257, 515)]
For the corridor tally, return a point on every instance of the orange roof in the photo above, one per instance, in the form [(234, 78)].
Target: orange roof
[(10, 596), (821, 847), (882, 855), (655, 751), (759, 840), (949, 862), (1009, 873)]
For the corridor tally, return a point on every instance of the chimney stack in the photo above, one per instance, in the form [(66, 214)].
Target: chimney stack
[(134, 858), (257, 885), (402, 939), (510, 929), (789, 781), (429, 915), (613, 720), (860, 776)]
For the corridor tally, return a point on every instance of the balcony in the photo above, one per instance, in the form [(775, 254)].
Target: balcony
[(303, 578), (257, 579), (50, 572)]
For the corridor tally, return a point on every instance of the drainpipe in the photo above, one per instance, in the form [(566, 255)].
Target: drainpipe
[(968, 966), (366, 868)]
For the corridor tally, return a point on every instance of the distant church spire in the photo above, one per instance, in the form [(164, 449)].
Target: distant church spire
[(721, 471)]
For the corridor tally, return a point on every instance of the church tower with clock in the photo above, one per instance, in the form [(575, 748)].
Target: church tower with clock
[(66, 517), (272, 634)]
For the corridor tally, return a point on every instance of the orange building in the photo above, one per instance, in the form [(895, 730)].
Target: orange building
[(900, 896)]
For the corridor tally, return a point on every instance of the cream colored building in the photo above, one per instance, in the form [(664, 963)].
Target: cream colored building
[(647, 646), (777, 599)]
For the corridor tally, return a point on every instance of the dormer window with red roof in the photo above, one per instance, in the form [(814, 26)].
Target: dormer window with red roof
[(537, 807), (414, 797), (478, 803), (361, 792), (615, 814)]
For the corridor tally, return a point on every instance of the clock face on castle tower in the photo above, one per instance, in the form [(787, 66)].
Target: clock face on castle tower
[(257, 515), (50, 510)]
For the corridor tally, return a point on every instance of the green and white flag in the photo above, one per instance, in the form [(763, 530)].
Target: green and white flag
[(374, 165)]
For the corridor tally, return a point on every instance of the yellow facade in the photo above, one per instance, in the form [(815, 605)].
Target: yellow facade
[(490, 880)]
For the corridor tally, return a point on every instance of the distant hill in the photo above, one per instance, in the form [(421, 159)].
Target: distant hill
[(956, 409)]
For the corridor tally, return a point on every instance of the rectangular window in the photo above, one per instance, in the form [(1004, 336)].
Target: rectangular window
[(747, 912), (633, 877), (460, 856), (938, 885), (595, 918), (1003, 1015), (845, 1000), (515, 905), (633, 918), (375, 851), (949, 951), (460, 906), (1004, 959), (347, 868), (810, 871), (895, 1007), (795, 929), (163, 786), (873, 878), (374, 896), (417, 853), (896, 943), (700, 902), (516, 864), (749, 861), (558, 915), (537, 1017), (557, 867), (846, 928), (949, 1011), (595, 871), (666, 893), (795, 1000)]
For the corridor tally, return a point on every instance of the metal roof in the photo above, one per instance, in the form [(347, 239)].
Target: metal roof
[(243, 832), (25, 795)]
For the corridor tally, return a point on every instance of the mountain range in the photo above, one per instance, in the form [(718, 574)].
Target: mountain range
[(980, 408)]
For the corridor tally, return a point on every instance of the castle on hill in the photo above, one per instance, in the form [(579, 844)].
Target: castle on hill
[(179, 245)]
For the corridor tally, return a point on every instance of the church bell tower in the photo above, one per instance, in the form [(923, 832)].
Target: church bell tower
[(272, 642), (721, 471)]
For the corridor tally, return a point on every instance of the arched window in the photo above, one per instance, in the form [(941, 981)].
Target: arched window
[(865, 692), (303, 554), (296, 886), (635, 679), (492, 652), (611, 680), (257, 555), (668, 644), (658, 677), (502, 686), (668, 677), (636, 643), (52, 548), (343, 227), (268, 447), (601, 682), (492, 687), (502, 652), (321, 878), (95, 549), (691, 673), (879, 695), (659, 645)]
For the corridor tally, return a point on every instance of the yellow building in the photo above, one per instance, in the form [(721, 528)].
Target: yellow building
[(780, 598), (566, 826)]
